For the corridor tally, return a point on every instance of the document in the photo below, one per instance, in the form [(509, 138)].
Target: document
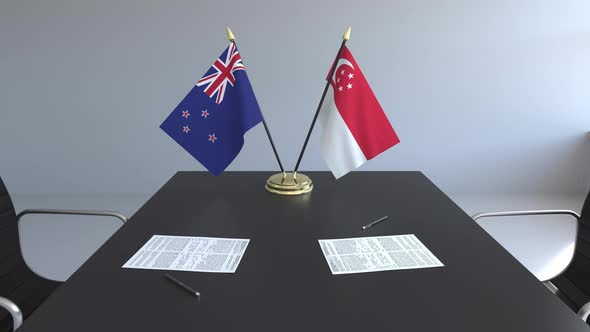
[(187, 253), (377, 253)]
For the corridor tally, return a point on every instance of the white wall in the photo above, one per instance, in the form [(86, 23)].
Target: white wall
[(486, 96)]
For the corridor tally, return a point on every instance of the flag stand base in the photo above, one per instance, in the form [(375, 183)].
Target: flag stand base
[(289, 184)]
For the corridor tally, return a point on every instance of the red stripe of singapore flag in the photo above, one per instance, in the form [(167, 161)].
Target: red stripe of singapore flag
[(355, 128)]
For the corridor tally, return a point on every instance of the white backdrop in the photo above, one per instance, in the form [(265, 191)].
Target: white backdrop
[(486, 96)]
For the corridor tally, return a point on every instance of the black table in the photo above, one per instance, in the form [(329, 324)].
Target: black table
[(283, 282)]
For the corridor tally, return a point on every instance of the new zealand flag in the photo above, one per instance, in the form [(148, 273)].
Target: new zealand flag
[(210, 122)]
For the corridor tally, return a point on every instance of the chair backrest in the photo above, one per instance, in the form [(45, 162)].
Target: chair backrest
[(10, 253), (17, 282), (586, 208), (11, 260), (574, 283)]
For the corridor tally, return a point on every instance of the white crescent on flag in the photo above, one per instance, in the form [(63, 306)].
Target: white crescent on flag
[(341, 62)]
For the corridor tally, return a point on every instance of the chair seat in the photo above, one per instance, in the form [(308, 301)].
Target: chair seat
[(544, 245), (548, 268)]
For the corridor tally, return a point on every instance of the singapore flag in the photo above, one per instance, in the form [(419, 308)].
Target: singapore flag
[(355, 128)]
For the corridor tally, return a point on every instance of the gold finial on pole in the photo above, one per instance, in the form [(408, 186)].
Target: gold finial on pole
[(346, 35), (230, 35)]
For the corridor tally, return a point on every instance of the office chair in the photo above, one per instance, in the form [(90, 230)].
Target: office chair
[(571, 282), (21, 290)]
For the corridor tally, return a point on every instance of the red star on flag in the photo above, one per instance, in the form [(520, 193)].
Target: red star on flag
[(204, 114), (212, 138), (186, 129), (185, 114)]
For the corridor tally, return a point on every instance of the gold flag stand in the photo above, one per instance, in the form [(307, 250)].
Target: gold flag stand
[(294, 183), (289, 184)]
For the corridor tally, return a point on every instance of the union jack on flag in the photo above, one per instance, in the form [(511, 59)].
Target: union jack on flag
[(221, 73), (212, 129)]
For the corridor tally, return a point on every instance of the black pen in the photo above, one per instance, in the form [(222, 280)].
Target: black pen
[(182, 285), (373, 223)]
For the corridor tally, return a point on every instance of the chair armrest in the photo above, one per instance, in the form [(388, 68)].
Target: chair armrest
[(525, 213), (73, 212), (584, 311), (14, 310)]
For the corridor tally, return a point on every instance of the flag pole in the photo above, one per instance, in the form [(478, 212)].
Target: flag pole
[(292, 183), (345, 38), (232, 39)]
